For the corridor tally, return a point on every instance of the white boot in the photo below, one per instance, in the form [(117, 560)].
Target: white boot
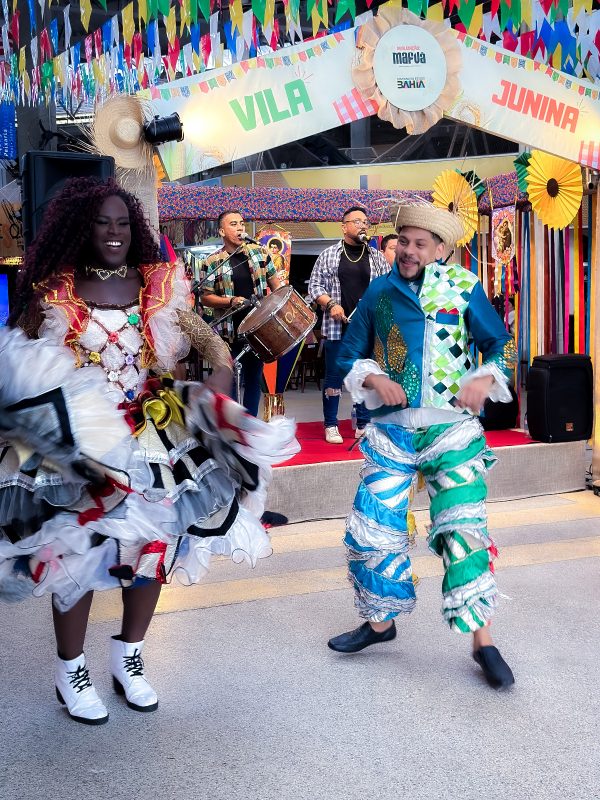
[(127, 669), (74, 690)]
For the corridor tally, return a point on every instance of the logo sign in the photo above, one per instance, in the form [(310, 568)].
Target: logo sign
[(409, 67)]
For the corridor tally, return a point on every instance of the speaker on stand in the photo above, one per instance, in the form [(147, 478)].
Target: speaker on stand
[(44, 174), (560, 404)]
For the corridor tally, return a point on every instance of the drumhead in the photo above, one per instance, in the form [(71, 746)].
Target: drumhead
[(267, 308)]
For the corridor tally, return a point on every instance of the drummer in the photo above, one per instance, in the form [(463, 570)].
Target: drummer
[(237, 272)]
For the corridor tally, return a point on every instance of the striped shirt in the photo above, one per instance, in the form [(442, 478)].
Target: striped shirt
[(219, 278), (324, 280)]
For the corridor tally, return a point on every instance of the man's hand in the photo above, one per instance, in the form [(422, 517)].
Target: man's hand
[(236, 302), (336, 312), (390, 392), (475, 393)]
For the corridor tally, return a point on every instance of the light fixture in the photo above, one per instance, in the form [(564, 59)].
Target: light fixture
[(164, 129)]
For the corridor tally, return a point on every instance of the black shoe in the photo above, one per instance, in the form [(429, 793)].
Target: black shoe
[(361, 637), (272, 519), (497, 672)]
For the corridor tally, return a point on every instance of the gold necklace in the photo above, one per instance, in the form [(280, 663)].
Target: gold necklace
[(353, 260), (105, 274)]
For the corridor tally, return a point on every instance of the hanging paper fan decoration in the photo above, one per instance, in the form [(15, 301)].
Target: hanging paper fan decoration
[(475, 182), (555, 188), (521, 163), (452, 192)]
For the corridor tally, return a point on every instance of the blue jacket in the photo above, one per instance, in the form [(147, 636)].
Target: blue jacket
[(422, 340)]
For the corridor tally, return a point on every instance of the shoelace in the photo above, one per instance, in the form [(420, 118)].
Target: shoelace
[(80, 679), (134, 664)]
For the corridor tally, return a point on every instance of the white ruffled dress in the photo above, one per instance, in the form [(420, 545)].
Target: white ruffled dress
[(84, 504)]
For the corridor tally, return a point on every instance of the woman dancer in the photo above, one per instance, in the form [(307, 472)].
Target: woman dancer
[(111, 473)]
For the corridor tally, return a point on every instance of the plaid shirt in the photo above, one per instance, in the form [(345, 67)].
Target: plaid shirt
[(324, 280), (219, 279)]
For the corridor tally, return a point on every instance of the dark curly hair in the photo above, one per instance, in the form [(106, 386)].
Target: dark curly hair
[(64, 236)]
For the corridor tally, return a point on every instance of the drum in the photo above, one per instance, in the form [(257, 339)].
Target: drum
[(278, 322)]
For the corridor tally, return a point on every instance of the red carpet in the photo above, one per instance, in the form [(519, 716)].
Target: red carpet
[(315, 449)]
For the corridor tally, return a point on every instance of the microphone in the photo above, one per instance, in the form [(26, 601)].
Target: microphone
[(247, 238), (362, 237)]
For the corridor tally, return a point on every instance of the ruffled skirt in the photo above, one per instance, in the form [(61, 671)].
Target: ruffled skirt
[(84, 504)]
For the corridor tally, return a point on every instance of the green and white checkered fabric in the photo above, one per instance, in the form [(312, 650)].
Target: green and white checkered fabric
[(444, 298)]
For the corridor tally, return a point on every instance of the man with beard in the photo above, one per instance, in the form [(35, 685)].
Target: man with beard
[(406, 355), (339, 279)]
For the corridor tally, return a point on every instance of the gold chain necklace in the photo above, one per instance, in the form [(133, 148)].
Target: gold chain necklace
[(353, 260), (105, 274)]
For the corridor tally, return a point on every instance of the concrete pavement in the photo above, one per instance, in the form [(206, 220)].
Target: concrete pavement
[(253, 705)]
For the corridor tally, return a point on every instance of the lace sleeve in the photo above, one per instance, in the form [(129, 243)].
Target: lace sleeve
[(204, 339)]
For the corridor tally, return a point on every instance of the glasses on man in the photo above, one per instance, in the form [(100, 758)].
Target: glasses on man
[(362, 222)]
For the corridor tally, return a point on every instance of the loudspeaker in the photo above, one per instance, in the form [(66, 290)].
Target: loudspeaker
[(560, 405), (44, 174), (500, 416)]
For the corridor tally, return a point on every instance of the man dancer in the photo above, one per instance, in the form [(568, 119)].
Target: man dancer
[(406, 355), (235, 273), (339, 279), (388, 248)]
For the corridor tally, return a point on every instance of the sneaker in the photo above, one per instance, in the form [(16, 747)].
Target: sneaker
[(359, 432), (333, 436)]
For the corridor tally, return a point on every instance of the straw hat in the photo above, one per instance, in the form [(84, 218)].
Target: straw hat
[(118, 131), (426, 216)]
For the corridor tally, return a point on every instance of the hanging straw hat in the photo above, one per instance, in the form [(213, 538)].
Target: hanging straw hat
[(426, 216), (118, 131)]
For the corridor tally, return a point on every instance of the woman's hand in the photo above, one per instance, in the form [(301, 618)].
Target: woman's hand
[(220, 381)]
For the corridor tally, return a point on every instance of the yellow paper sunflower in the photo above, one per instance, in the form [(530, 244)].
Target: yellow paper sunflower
[(452, 192), (554, 188)]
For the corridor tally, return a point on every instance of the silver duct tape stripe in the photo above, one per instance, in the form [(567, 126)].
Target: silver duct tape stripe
[(386, 481), (458, 437), (381, 538), (377, 609), (389, 571), (381, 443), (483, 588), (469, 471), (474, 512)]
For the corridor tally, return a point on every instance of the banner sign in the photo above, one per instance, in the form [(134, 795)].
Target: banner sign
[(255, 105)]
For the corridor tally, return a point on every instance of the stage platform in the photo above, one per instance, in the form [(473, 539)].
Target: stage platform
[(320, 482)]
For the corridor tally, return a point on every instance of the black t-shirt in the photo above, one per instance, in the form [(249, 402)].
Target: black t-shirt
[(243, 285), (354, 273)]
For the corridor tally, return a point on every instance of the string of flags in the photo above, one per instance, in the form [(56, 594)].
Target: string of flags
[(125, 54)]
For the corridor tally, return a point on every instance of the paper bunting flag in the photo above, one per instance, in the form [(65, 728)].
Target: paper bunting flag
[(114, 30), (103, 4), (31, 15), (170, 23), (98, 42), (22, 61), (142, 12), (88, 46), (555, 188), (128, 23), (5, 41), (33, 47), (258, 9), (236, 15), (164, 7), (86, 13), (45, 48), (53, 31), (14, 29)]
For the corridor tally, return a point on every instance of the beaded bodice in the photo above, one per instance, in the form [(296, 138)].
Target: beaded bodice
[(113, 339)]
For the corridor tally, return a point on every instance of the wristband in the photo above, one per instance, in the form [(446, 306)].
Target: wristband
[(330, 305)]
